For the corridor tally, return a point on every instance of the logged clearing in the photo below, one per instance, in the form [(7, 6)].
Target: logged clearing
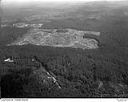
[(59, 38)]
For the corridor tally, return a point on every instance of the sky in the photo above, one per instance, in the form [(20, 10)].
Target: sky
[(17, 3), (9, 1)]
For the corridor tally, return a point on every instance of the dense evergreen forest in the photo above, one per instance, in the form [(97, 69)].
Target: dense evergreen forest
[(80, 73)]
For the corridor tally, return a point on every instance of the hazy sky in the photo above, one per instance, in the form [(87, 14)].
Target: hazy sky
[(9, 1)]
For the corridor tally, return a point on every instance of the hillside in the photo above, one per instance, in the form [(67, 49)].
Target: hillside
[(30, 66)]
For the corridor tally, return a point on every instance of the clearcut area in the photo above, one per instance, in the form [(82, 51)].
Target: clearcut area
[(59, 38)]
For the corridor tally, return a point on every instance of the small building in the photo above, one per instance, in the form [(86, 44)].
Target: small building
[(9, 60)]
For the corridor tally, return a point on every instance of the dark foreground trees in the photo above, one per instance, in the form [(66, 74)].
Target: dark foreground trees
[(79, 73)]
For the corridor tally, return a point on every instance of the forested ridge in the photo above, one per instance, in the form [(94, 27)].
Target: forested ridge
[(80, 73)]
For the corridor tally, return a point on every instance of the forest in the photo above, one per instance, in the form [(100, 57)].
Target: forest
[(80, 73)]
